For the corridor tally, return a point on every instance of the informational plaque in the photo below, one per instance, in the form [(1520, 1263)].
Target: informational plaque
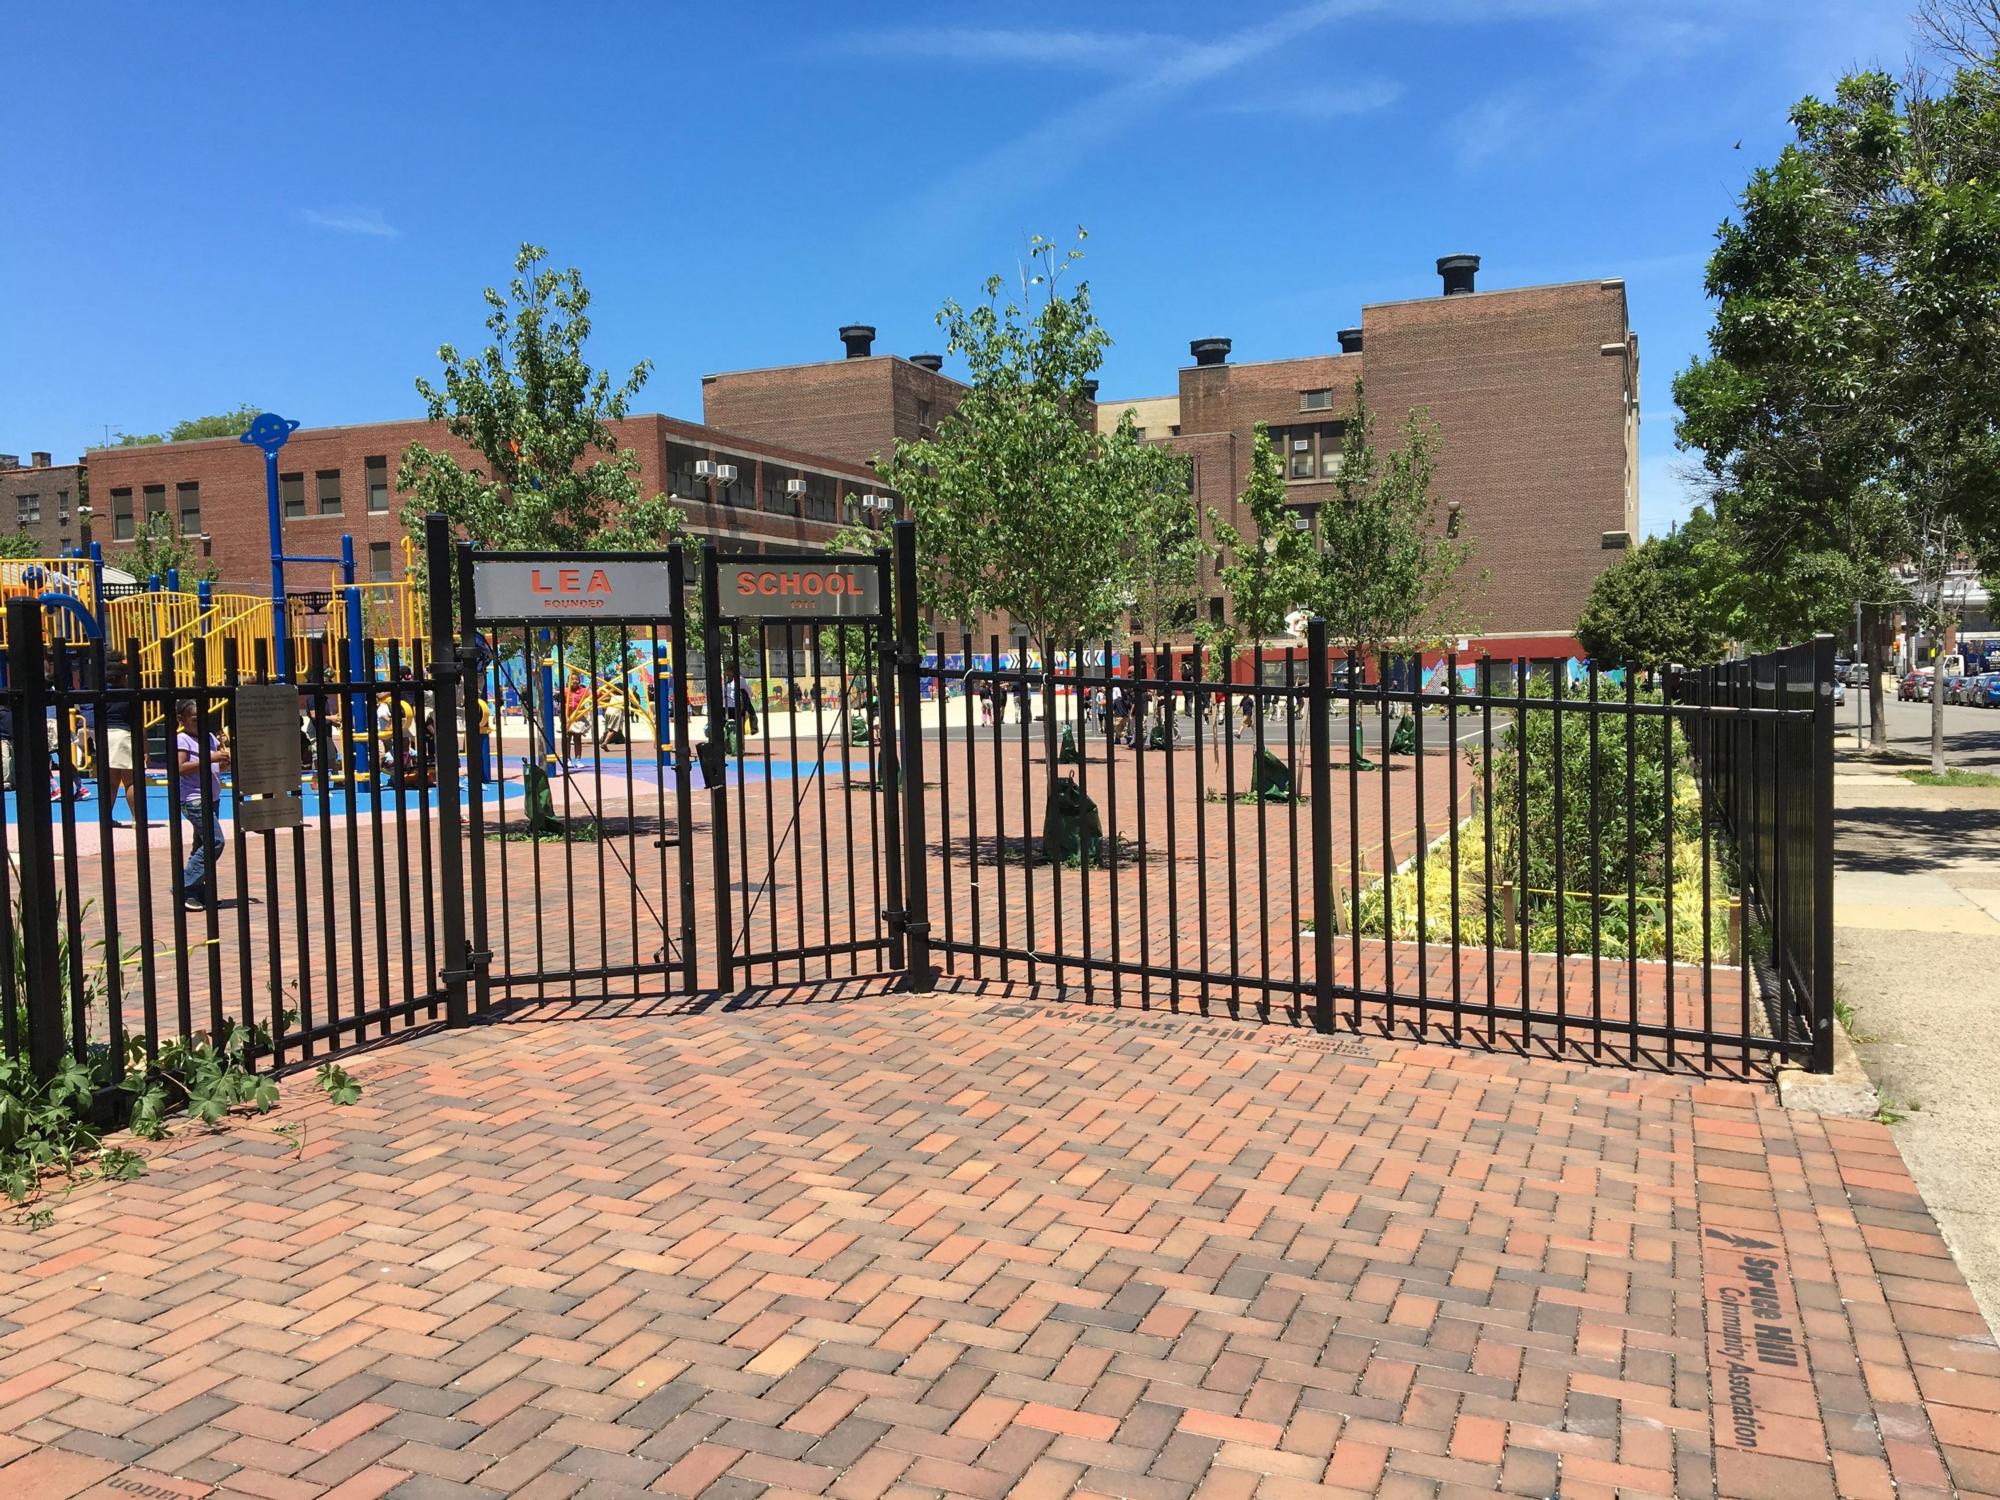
[(753, 588), (571, 589), (264, 754)]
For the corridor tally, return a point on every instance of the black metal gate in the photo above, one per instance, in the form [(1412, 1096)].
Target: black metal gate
[(614, 770)]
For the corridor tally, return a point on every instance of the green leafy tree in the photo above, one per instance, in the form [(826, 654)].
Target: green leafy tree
[(1267, 572), (220, 424), (1023, 509), (538, 416), (1847, 409), (1167, 550), (20, 544), (158, 548), (1650, 611), (1389, 571)]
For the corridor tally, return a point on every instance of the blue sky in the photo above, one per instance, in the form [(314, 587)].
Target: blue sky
[(294, 205)]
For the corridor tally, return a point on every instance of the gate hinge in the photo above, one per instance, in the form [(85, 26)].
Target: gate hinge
[(476, 960)]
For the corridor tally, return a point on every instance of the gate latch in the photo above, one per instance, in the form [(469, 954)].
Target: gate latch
[(896, 918)]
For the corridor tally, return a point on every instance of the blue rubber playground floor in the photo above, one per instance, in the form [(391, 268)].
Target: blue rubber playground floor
[(611, 773)]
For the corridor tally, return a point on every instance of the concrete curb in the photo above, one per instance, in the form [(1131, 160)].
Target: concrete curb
[(1846, 1091)]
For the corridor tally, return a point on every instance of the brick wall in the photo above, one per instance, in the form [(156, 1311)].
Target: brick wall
[(1534, 421), (848, 409), (56, 490), (229, 477)]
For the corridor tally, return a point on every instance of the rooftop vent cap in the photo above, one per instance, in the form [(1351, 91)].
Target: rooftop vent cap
[(1350, 340), (932, 362), (1458, 272), (40, 460), (859, 338), (1090, 391), (1209, 351)]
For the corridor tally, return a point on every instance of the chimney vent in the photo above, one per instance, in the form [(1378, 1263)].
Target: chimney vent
[(859, 338), (10, 460), (1350, 340), (1458, 272), (932, 362), (1209, 351), (1090, 391), (40, 460)]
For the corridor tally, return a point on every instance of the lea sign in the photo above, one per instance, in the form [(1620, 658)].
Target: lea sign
[(758, 588), (583, 589)]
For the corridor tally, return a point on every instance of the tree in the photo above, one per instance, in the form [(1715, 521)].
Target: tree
[(1023, 509), (1266, 573), (1846, 411), (220, 424), (1167, 552), (20, 544), (538, 415), (1388, 572), (1649, 611), (159, 548)]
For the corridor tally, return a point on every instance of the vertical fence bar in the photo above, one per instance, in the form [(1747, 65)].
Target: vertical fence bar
[(41, 948), (713, 774), (918, 975), (1320, 748), (1822, 868), (446, 672)]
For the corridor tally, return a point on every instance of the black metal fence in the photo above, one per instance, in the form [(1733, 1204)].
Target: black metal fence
[(310, 939), (1509, 853), (1522, 854), (1762, 732)]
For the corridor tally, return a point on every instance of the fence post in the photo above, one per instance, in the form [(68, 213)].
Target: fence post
[(41, 947), (889, 763), (1822, 873), (446, 672), (714, 771), (920, 976), (1319, 742)]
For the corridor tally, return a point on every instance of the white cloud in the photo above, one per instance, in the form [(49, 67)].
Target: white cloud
[(367, 221), (1320, 103), (1109, 51), (1501, 124)]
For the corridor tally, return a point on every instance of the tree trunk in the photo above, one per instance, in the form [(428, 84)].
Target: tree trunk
[(1872, 644), (1937, 715)]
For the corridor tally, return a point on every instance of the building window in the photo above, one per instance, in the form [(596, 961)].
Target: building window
[(121, 514), (326, 486), (1139, 432), (156, 500), (292, 495), (1309, 452), (1302, 461), (1175, 430), (923, 416), (1215, 610), (28, 509), (1320, 400), (821, 505), (376, 473), (187, 500), (379, 569)]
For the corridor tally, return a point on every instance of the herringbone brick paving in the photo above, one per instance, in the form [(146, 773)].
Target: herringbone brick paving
[(847, 1242)]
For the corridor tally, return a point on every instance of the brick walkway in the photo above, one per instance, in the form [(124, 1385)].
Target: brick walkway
[(852, 1243)]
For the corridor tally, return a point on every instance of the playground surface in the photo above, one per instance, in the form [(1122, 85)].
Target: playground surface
[(838, 1241)]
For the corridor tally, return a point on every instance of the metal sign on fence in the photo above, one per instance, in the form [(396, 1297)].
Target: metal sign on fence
[(571, 588), (264, 754), (759, 588)]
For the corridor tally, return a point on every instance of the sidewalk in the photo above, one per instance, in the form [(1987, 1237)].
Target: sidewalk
[(1917, 956), (981, 1244)]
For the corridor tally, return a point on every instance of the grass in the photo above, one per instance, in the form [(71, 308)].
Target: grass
[(1952, 778), (1889, 1113)]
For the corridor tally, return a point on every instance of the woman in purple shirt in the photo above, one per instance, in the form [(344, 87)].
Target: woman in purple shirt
[(200, 800)]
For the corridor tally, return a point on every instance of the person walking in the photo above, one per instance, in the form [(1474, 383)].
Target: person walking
[(114, 735), (200, 802)]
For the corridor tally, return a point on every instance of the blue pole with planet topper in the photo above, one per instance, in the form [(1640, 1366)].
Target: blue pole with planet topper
[(269, 432)]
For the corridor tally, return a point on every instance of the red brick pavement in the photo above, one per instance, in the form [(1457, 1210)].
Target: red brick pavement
[(848, 1243)]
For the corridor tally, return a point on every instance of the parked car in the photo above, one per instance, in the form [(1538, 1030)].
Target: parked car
[(1989, 691), (1839, 692), (1915, 686), (1856, 674)]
